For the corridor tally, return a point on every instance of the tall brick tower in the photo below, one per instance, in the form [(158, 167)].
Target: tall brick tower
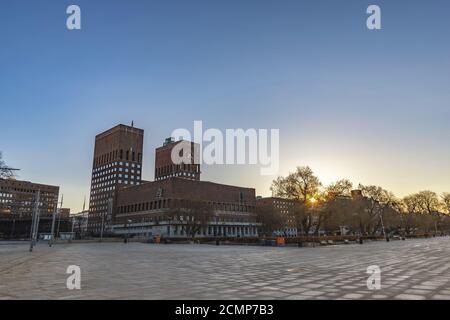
[(166, 168), (117, 161)]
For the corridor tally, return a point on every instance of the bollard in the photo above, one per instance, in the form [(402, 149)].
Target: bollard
[(387, 239), (217, 243), (361, 241), (300, 244)]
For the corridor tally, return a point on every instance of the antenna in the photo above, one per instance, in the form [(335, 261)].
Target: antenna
[(8, 172), (8, 168), (4, 167)]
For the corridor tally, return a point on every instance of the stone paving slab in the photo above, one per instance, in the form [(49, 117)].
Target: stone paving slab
[(412, 269)]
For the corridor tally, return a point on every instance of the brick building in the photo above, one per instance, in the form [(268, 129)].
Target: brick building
[(124, 204), (166, 168), (282, 207), (17, 202), (148, 209), (117, 162)]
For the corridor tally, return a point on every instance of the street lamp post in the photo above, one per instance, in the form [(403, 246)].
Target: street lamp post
[(59, 215), (101, 230), (169, 219), (313, 203), (403, 226), (71, 233), (126, 230), (35, 222), (382, 227), (55, 213), (13, 227), (53, 225)]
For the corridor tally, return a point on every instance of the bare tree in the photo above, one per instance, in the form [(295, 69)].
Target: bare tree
[(301, 185), (430, 205), (368, 213), (429, 201), (381, 205), (303, 217), (341, 187), (446, 201), (304, 187), (334, 205), (271, 220), (194, 215), (423, 210), (5, 171), (412, 211)]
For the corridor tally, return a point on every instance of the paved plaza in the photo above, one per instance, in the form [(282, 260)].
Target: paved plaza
[(412, 269)]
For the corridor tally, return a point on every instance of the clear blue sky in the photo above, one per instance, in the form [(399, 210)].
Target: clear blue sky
[(372, 106)]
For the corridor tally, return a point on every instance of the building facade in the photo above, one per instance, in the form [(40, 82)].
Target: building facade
[(284, 209), (17, 202), (121, 203), (156, 208), (162, 207), (117, 162), (187, 169)]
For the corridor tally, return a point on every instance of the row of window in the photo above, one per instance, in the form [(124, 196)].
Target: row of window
[(178, 174), (5, 195), (6, 188), (97, 216), (168, 169), (102, 197), (163, 203), (24, 203), (180, 218), (99, 190), (215, 219), (110, 167), (210, 231), (96, 207), (19, 209), (117, 155), (9, 192), (108, 180), (153, 205), (283, 204)]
